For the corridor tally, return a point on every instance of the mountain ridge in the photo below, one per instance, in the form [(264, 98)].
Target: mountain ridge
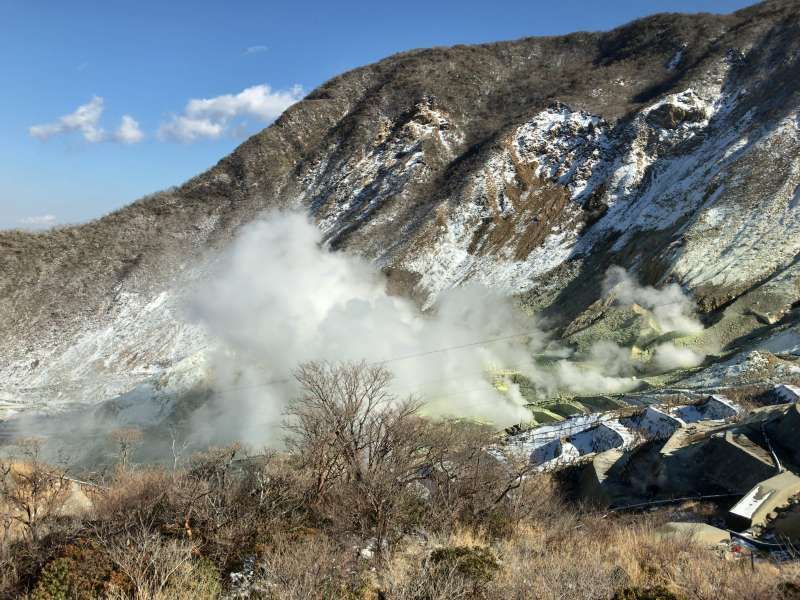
[(531, 165)]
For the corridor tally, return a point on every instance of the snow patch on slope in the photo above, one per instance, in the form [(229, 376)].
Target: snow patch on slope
[(560, 147), (143, 339), (583, 154), (566, 147), (343, 194)]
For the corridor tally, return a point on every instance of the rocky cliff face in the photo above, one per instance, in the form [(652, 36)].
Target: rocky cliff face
[(669, 146)]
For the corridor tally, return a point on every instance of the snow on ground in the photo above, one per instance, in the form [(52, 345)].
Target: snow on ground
[(341, 195), (714, 408), (562, 147), (674, 157), (678, 156), (748, 244), (144, 342), (654, 423), (566, 147), (600, 438), (565, 442), (748, 366), (785, 342), (548, 437), (676, 60)]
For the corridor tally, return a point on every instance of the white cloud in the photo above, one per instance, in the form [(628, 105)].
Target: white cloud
[(212, 117), (39, 221), (255, 49), (85, 119), (257, 101), (128, 131), (187, 129)]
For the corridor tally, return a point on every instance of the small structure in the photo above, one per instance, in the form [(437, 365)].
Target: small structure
[(602, 437), (755, 508), (546, 452), (654, 423), (685, 437), (592, 439), (595, 476), (544, 443), (786, 393), (699, 533), (734, 462), (713, 408), (785, 429)]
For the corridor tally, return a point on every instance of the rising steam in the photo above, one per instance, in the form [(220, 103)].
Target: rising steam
[(671, 308), (278, 298), (672, 311)]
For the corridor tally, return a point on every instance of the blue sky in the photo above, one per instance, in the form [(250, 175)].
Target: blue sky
[(96, 97)]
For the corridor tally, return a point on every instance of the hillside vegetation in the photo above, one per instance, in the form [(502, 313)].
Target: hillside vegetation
[(368, 501)]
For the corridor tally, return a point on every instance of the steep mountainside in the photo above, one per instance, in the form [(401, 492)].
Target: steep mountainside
[(670, 146)]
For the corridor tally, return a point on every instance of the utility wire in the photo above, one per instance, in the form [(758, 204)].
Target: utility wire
[(448, 349), (284, 380)]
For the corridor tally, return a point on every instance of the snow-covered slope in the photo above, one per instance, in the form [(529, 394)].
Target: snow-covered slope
[(669, 146)]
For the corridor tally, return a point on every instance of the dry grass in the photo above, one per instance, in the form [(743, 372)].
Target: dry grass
[(572, 558), (551, 552), (460, 524), (595, 558)]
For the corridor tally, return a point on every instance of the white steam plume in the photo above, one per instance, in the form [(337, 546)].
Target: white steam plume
[(279, 299), (672, 309), (669, 356), (610, 358), (673, 312)]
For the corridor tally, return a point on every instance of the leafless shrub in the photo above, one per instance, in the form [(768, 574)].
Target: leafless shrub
[(275, 490), (305, 566), (31, 492), (446, 585), (475, 483), (126, 439), (222, 501), (459, 565), (370, 500), (377, 468), (157, 568), (364, 447), (212, 484), (135, 496)]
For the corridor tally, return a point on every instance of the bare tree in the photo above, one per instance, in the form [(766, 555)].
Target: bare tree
[(156, 568), (31, 491), (126, 439), (364, 446), (178, 448), (214, 486)]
